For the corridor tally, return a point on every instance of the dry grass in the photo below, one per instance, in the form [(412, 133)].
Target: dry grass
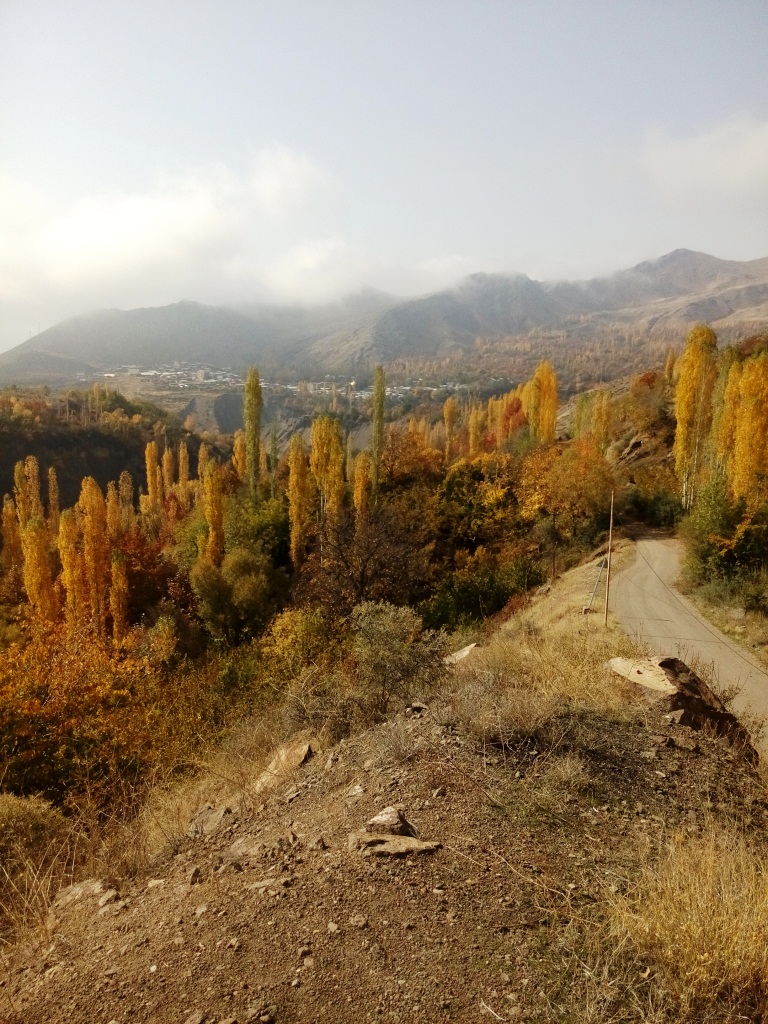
[(699, 920), (39, 849), (524, 681)]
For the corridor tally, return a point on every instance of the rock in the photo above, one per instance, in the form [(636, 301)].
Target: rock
[(390, 821), (452, 659), (245, 850), (80, 890), (155, 883), (196, 1017), (318, 843), (358, 921), (646, 672), (332, 927), (694, 705), (109, 897), (288, 758), (688, 699), (387, 845), (195, 875), (208, 820)]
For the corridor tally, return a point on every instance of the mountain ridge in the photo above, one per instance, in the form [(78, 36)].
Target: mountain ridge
[(668, 293)]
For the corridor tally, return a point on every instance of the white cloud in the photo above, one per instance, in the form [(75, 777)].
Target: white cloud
[(727, 161), (210, 216)]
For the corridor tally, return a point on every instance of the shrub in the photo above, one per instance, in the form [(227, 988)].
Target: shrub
[(394, 656), (479, 589)]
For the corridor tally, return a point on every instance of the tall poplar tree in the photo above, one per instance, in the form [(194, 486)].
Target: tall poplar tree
[(252, 406), (298, 498), (377, 428), (750, 462), (697, 370)]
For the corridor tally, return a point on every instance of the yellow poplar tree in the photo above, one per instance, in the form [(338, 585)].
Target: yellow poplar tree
[(125, 494), (449, 419), (38, 580), (326, 461), (697, 369), (362, 488), (252, 405), (183, 485), (118, 598), (238, 456), (93, 512), (114, 517), (750, 462), (152, 468), (724, 428), (298, 498), (72, 569), (168, 470), (13, 558), (542, 399), (213, 507), (53, 503), (377, 427)]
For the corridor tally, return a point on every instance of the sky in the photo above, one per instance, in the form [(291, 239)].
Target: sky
[(288, 151)]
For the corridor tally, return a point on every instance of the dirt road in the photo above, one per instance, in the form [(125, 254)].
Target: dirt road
[(647, 606)]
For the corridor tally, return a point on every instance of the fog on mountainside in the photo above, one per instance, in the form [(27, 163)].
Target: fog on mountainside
[(655, 301)]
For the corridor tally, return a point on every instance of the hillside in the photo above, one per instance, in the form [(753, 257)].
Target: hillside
[(265, 899), (651, 304)]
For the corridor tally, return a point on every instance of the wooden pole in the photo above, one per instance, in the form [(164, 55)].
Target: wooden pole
[(608, 574)]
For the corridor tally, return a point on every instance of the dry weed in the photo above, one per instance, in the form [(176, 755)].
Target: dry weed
[(524, 680), (699, 920), (39, 849)]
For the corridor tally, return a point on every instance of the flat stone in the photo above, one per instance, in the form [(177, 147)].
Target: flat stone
[(208, 820), (387, 845), (645, 672)]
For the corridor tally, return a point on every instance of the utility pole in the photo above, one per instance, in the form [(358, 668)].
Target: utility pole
[(608, 574)]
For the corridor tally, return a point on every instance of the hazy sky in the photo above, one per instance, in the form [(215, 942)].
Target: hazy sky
[(241, 150)]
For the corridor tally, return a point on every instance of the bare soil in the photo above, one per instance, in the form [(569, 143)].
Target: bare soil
[(272, 917)]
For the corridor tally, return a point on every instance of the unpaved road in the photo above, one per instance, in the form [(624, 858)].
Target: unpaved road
[(647, 606)]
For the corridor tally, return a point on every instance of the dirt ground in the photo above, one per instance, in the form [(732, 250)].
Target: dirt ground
[(265, 913)]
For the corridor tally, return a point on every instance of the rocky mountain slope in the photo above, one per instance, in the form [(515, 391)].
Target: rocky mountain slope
[(661, 297)]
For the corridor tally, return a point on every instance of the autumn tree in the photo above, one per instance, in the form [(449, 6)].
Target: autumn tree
[(118, 598), (213, 508), (750, 462), (72, 569), (449, 418), (239, 460), (53, 503), (252, 406), (38, 578), (697, 369), (377, 428), (93, 520), (362, 483), (540, 403), (298, 498), (326, 462), (152, 470), (183, 485), (13, 558)]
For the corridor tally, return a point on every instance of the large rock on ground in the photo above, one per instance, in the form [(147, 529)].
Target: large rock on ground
[(686, 697)]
